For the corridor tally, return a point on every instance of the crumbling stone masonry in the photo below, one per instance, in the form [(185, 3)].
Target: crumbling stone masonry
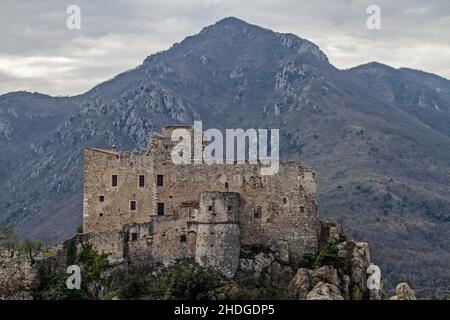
[(141, 206)]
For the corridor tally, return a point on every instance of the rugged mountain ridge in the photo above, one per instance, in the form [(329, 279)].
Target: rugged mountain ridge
[(377, 136)]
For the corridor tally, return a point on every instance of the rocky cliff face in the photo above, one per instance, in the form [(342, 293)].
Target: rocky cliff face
[(378, 137), (337, 272), (347, 281)]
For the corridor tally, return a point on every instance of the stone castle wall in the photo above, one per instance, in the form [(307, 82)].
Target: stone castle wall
[(16, 272), (217, 231), (167, 199)]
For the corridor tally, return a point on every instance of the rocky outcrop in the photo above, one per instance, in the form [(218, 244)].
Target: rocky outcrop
[(338, 272), (324, 291), (357, 259), (300, 285), (281, 249), (17, 274), (341, 270), (6, 131), (326, 274), (263, 261), (403, 292)]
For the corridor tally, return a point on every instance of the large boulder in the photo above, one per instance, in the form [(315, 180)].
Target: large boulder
[(345, 286), (362, 250), (326, 274), (358, 255), (281, 249), (280, 275), (330, 232), (300, 285), (376, 294), (262, 261), (358, 272), (324, 291), (403, 292)]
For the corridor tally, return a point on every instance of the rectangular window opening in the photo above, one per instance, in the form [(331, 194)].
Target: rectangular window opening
[(183, 238), (133, 205), (114, 180), (257, 212), (141, 181), (160, 211), (101, 198), (159, 180)]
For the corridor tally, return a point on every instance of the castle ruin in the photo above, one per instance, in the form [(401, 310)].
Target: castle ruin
[(141, 206)]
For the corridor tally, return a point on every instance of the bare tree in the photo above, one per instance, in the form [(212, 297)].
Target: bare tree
[(32, 248), (8, 238)]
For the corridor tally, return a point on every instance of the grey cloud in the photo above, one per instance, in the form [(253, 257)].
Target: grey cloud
[(414, 34)]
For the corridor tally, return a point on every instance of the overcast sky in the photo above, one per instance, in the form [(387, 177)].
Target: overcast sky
[(39, 53)]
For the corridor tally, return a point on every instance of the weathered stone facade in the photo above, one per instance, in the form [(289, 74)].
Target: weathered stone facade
[(217, 226), (142, 205)]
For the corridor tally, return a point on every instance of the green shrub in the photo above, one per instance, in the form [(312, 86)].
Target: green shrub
[(307, 261), (79, 229), (342, 237), (53, 284), (8, 238), (53, 287), (71, 256), (130, 284), (329, 257), (31, 248), (48, 252), (186, 280), (94, 262)]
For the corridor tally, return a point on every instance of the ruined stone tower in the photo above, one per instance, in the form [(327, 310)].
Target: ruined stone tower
[(218, 235), (141, 205)]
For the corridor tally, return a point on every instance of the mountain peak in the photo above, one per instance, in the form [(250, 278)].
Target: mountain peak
[(233, 23), (237, 35), (373, 65)]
